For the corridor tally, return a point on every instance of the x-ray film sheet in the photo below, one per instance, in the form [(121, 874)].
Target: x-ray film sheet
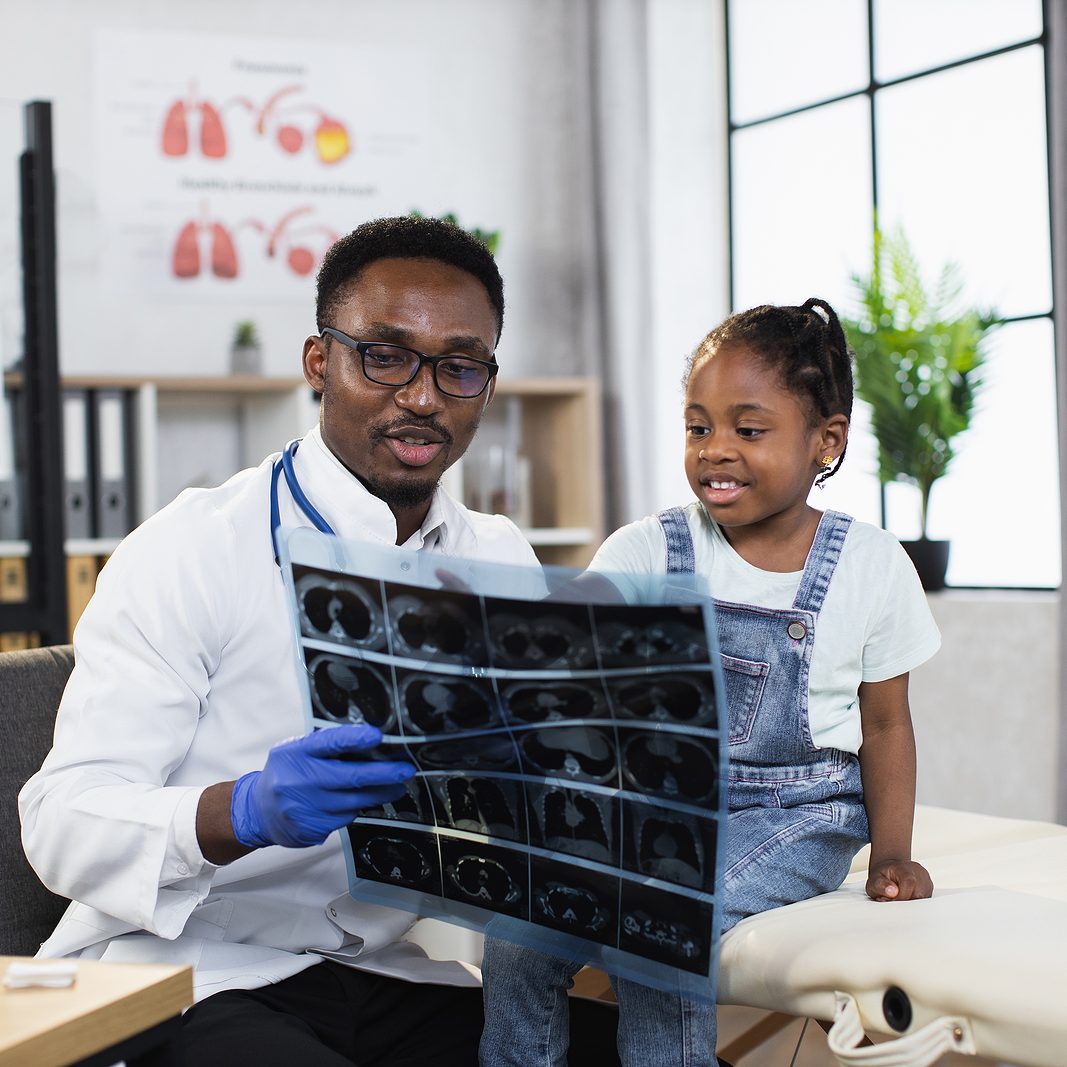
[(569, 748)]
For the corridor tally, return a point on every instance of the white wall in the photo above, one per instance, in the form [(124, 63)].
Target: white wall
[(501, 91), (986, 707)]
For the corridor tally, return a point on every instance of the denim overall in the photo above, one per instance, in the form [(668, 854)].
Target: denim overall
[(796, 819), (796, 815)]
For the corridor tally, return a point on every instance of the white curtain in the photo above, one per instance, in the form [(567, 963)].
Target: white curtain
[(658, 128)]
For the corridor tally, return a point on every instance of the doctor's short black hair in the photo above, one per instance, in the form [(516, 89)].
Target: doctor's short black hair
[(403, 237)]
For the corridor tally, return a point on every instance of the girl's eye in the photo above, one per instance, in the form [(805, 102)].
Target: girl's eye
[(748, 432), (697, 431)]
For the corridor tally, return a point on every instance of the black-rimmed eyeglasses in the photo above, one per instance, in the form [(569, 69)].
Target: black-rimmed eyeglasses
[(385, 364)]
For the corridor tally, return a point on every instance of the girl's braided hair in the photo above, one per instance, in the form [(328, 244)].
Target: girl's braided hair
[(805, 344)]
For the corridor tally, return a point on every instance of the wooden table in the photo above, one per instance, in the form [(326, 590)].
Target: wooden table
[(125, 1010)]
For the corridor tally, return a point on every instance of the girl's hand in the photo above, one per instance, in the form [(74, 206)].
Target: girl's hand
[(898, 880)]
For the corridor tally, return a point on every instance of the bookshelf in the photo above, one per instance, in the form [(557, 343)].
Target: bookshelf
[(200, 430)]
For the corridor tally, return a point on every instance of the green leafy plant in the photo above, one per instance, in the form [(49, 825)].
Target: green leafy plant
[(245, 335), (489, 238), (920, 354)]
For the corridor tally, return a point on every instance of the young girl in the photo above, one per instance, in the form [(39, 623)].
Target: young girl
[(826, 610)]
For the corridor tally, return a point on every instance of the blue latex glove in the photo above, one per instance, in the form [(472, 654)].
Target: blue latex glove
[(308, 788)]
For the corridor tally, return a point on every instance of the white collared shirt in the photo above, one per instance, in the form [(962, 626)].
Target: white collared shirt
[(186, 675)]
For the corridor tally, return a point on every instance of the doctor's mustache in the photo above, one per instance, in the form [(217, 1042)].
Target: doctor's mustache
[(410, 423)]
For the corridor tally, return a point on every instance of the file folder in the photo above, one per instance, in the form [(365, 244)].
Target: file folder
[(112, 471), (10, 511), (14, 589), (77, 502), (81, 584)]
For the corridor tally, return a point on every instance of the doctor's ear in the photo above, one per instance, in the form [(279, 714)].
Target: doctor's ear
[(314, 362)]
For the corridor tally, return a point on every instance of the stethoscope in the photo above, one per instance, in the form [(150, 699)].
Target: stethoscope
[(284, 465)]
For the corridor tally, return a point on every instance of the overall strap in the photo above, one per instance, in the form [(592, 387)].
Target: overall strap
[(822, 560), (681, 556)]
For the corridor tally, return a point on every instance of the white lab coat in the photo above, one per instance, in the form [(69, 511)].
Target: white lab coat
[(186, 675)]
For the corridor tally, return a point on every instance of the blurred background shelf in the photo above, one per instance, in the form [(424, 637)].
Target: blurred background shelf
[(542, 435)]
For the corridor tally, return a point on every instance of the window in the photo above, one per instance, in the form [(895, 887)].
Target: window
[(945, 137)]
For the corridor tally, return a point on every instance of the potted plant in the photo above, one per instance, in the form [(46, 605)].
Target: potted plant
[(920, 354), (245, 353), (489, 238)]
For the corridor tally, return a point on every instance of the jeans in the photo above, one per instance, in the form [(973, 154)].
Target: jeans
[(656, 1029)]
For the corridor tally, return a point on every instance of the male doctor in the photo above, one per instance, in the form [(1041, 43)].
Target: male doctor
[(176, 809)]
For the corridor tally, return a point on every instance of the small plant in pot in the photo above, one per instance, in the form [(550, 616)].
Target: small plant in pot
[(920, 354), (245, 354), (489, 238)]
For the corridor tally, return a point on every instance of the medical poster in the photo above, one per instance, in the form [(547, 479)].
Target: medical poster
[(568, 747), (227, 165)]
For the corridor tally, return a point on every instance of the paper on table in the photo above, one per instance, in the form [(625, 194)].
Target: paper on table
[(53, 974)]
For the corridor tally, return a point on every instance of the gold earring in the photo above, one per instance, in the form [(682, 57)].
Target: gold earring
[(826, 461)]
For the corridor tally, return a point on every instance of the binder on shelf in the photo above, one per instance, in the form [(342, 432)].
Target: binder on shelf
[(81, 584), (14, 590), (77, 500), (112, 463), (10, 510)]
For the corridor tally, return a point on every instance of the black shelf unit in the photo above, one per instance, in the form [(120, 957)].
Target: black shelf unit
[(38, 447)]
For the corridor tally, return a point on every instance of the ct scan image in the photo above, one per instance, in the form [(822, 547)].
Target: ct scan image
[(576, 900), (568, 762), (530, 701), (396, 856), (573, 753), (479, 804), (687, 699), (346, 689), (538, 635), (668, 845), (576, 822), (486, 876), (629, 636), (340, 608), (433, 703), (435, 625)]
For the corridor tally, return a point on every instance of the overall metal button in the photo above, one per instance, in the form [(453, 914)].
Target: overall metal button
[(797, 630)]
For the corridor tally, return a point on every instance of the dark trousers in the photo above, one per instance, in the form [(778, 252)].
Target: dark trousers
[(335, 1016)]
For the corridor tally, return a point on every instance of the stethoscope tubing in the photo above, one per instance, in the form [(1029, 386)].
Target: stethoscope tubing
[(284, 466)]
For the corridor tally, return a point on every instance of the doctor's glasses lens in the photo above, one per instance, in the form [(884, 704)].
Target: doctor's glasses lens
[(581, 753), (669, 765), (346, 691), (341, 610), (442, 704)]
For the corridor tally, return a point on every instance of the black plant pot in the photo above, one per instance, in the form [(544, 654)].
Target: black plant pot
[(931, 561)]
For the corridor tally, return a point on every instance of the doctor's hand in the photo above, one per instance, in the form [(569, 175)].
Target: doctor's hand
[(309, 787), (898, 880)]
